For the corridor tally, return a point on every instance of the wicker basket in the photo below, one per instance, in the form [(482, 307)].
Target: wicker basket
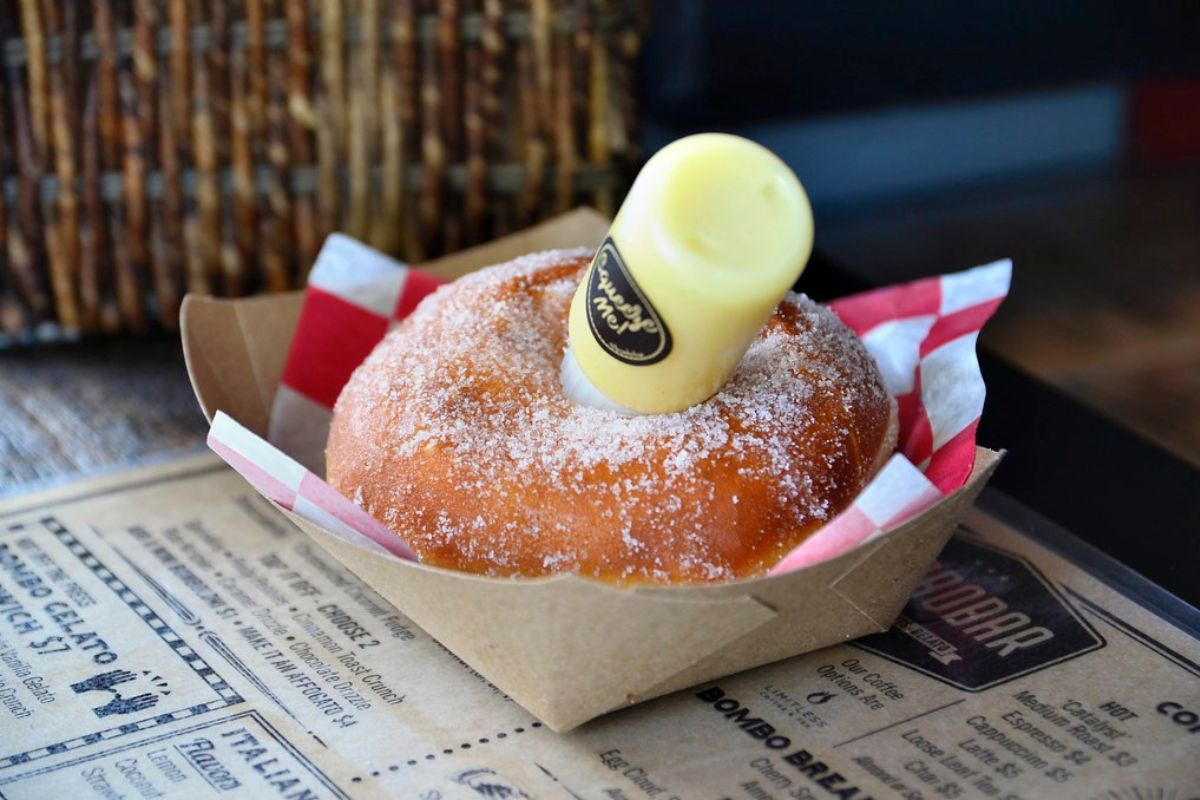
[(153, 148)]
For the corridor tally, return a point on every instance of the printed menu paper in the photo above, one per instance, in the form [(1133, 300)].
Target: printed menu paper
[(165, 632)]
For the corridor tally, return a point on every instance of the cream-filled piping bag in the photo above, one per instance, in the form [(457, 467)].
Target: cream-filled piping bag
[(713, 233)]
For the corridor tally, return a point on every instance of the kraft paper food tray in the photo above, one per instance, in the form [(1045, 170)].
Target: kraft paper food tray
[(566, 648)]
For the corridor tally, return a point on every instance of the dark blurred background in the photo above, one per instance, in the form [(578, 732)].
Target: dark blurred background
[(932, 136), (938, 135)]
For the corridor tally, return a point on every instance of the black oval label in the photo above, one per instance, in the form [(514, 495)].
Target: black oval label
[(623, 320)]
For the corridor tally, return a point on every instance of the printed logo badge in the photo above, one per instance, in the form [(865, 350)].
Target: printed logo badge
[(622, 319), (982, 617)]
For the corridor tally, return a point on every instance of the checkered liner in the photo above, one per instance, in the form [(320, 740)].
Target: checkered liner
[(922, 335)]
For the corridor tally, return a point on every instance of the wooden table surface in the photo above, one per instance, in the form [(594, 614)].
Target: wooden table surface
[(1105, 284), (80, 407)]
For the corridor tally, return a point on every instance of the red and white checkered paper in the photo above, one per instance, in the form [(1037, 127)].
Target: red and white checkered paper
[(922, 334)]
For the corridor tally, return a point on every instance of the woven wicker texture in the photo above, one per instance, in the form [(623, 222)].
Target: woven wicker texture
[(149, 149)]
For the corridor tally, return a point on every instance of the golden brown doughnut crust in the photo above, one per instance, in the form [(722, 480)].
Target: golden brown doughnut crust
[(456, 433)]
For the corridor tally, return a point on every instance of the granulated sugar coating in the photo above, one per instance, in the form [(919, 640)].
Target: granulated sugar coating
[(456, 433)]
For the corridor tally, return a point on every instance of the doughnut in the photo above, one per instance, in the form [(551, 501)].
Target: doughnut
[(455, 433)]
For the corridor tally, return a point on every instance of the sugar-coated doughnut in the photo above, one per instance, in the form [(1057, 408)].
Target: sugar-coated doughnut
[(456, 433)]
